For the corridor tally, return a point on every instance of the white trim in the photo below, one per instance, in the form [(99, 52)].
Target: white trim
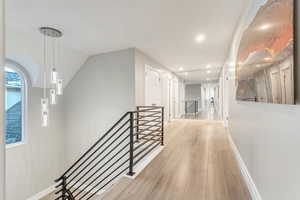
[(90, 189), (144, 162), (246, 175), (43, 193), (13, 145), (10, 64)]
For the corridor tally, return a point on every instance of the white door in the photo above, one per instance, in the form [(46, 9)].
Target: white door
[(152, 88), (275, 85), (165, 96), (286, 79), (175, 98), (171, 112), (261, 89)]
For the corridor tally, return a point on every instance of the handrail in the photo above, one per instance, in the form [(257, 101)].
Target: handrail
[(119, 149)]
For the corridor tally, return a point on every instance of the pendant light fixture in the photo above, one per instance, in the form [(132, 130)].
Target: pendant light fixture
[(51, 36)]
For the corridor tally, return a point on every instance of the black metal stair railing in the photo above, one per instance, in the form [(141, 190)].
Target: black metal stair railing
[(116, 153)]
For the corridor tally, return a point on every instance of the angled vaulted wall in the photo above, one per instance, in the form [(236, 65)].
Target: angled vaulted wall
[(267, 135), (98, 95)]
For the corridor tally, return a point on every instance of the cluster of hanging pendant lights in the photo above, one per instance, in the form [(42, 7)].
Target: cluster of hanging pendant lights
[(51, 63)]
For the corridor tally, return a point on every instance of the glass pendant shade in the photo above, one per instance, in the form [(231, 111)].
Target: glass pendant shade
[(45, 104), (59, 86), (53, 76), (45, 116), (52, 96), (45, 111)]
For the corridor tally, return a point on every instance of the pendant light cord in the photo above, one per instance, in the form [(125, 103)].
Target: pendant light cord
[(58, 54), (54, 56), (45, 68)]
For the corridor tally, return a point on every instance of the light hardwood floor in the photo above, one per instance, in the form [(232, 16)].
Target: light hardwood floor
[(197, 163), (52, 196)]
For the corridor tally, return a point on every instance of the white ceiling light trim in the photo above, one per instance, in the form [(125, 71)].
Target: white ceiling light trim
[(200, 38)]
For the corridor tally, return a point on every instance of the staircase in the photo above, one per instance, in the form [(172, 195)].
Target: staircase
[(116, 153)]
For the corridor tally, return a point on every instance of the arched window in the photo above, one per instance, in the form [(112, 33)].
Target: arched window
[(15, 101)]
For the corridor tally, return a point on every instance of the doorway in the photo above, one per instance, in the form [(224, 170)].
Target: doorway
[(153, 89), (286, 78)]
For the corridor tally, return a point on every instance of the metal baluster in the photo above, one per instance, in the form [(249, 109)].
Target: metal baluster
[(137, 123), (131, 173), (162, 126), (195, 108), (64, 188)]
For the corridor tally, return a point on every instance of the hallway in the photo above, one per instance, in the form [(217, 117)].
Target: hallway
[(196, 163), (210, 113)]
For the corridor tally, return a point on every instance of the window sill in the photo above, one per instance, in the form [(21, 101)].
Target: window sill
[(10, 146)]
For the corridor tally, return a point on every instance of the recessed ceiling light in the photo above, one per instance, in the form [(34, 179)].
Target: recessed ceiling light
[(208, 71), (200, 38), (232, 64), (208, 66), (180, 68), (265, 27), (185, 73), (267, 58)]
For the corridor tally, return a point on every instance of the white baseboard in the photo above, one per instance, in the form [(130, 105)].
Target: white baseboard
[(43, 193), (246, 175)]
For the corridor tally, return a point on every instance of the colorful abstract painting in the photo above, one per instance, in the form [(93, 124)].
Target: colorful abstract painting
[(265, 61)]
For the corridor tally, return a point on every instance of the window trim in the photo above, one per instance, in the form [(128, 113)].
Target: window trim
[(20, 70)]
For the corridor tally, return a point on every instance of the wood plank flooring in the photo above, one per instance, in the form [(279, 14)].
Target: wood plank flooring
[(52, 196), (197, 163)]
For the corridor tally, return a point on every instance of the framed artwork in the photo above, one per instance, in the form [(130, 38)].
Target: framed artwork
[(265, 61)]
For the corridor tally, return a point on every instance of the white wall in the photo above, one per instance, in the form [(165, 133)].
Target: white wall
[(98, 95), (267, 136), (32, 166), (2, 133)]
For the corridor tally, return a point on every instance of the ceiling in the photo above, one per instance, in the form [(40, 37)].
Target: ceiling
[(164, 29)]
